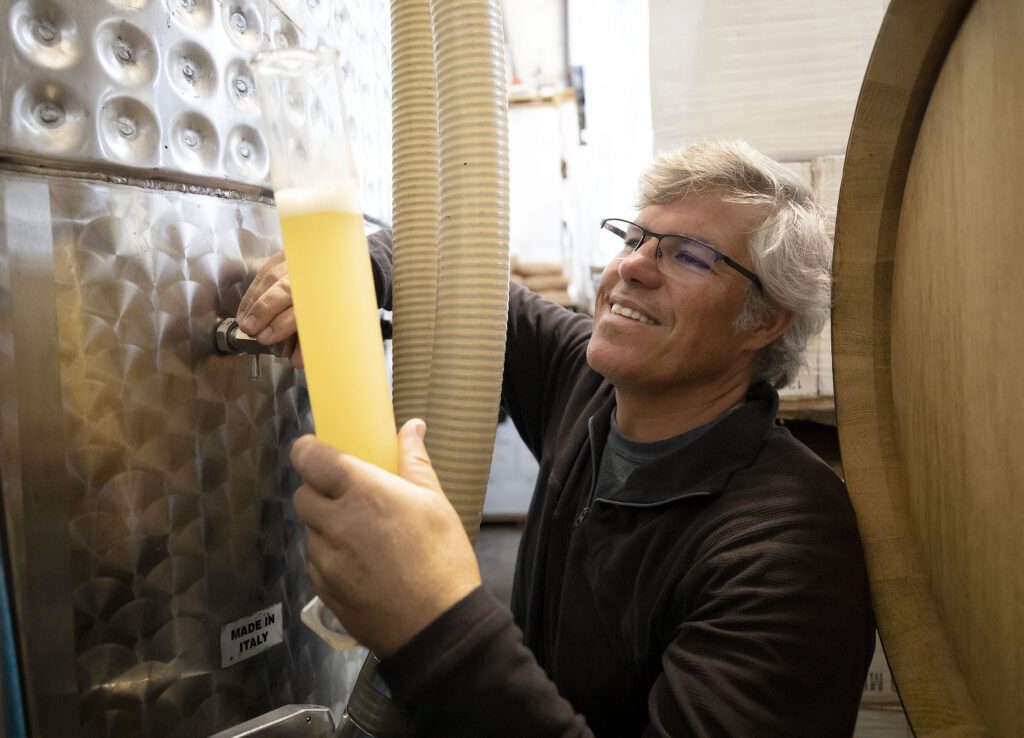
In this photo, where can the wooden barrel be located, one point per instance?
(929, 273)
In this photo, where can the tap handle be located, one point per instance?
(231, 339)
(254, 366)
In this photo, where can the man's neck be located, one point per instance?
(655, 416)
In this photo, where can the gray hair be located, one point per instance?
(791, 251)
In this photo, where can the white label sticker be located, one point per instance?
(250, 635)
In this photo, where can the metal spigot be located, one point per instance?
(229, 338)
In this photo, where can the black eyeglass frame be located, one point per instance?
(719, 256)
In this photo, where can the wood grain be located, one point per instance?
(957, 349)
(926, 661)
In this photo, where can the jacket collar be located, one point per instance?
(701, 468)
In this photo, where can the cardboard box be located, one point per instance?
(826, 178)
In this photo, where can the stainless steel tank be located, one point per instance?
(155, 565)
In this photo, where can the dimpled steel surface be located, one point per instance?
(145, 479)
(175, 473)
(164, 87)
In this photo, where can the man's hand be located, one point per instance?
(266, 310)
(387, 554)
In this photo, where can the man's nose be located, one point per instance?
(642, 264)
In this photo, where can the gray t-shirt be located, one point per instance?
(622, 455)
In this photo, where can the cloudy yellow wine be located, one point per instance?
(339, 330)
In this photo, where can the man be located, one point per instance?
(687, 567)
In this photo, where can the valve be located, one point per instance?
(229, 338)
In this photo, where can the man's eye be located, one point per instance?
(690, 259)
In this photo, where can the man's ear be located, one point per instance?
(775, 326)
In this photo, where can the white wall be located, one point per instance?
(535, 35)
(535, 182)
(609, 39)
(782, 74)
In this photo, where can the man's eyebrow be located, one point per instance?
(695, 237)
(691, 236)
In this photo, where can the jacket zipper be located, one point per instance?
(593, 481)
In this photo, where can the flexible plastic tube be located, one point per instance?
(472, 300)
(415, 211)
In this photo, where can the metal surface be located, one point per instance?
(36, 508)
(348, 728)
(164, 88)
(145, 476)
(290, 721)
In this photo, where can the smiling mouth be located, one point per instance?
(636, 315)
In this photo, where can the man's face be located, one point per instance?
(685, 336)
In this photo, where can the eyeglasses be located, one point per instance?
(675, 254)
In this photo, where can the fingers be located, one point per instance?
(278, 329)
(274, 301)
(272, 275)
(313, 508)
(321, 466)
(273, 269)
(413, 460)
(316, 579)
(317, 556)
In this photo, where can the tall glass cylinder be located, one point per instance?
(317, 193)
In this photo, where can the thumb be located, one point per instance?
(413, 461)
